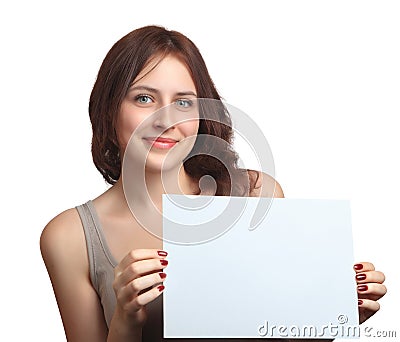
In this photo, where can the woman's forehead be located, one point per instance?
(154, 61)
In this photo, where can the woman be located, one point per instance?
(107, 272)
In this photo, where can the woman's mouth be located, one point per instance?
(161, 143)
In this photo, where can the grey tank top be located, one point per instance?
(101, 270)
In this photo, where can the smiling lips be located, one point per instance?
(162, 143)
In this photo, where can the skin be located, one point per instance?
(373, 281)
(139, 266)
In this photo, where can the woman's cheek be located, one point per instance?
(190, 128)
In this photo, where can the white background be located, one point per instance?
(320, 78)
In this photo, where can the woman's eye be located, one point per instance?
(143, 99)
(184, 103)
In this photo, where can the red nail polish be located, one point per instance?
(164, 262)
(358, 267)
(162, 275)
(362, 288)
(162, 253)
(161, 287)
(360, 302)
(361, 276)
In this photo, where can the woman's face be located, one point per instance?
(160, 109)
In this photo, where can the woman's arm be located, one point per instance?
(63, 250)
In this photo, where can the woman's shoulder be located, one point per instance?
(62, 239)
(65, 225)
(264, 185)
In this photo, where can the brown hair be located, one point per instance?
(122, 64)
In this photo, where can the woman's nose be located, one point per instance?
(164, 118)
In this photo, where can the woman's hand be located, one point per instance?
(134, 285)
(370, 288)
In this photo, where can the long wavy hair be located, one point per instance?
(119, 69)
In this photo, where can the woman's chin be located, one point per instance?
(159, 164)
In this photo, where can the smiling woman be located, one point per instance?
(146, 96)
(107, 271)
(120, 79)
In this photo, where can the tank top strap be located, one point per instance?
(97, 248)
(101, 261)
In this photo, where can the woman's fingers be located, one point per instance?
(369, 304)
(136, 287)
(370, 288)
(367, 308)
(139, 301)
(364, 267)
(370, 277)
(138, 279)
(369, 281)
(137, 255)
(139, 269)
(371, 291)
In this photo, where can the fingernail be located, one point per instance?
(360, 302)
(358, 267)
(361, 276)
(362, 288)
(161, 287)
(162, 253)
(162, 275)
(164, 262)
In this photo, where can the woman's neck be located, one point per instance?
(176, 181)
(147, 194)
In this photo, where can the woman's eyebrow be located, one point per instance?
(145, 88)
(183, 93)
(156, 91)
